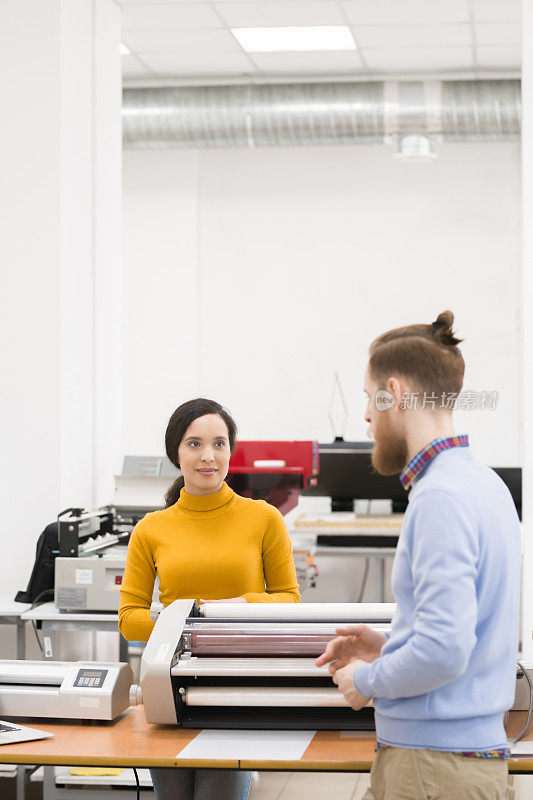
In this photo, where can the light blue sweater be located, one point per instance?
(447, 673)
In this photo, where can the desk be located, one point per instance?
(52, 619)
(130, 741)
(379, 554)
(11, 614)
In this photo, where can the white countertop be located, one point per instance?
(8, 606)
(48, 612)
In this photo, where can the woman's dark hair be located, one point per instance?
(178, 423)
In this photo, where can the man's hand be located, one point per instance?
(224, 600)
(344, 680)
(354, 642)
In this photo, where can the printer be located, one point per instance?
(64, 690)
(249, 665)
(90, 564)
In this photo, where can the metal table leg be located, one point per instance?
(21, 640)
(21, 782)
(48, 640)
(49, 783)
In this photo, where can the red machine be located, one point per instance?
(274, 471)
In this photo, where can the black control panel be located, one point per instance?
(91, 678)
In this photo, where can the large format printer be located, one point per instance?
(240, 665)
(347, 476)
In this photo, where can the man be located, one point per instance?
(443, 680)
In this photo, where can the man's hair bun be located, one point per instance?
(442, 329)
(426, 354)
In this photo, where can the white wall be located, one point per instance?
(527, 331)
(251, 276)
(60, 187)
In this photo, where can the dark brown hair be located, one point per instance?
(178, 423)
(425, 355)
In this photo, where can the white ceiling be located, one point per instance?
(188, 41)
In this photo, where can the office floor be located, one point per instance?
(297, 786)
(342, 786)
(308, 786)
(265, 786)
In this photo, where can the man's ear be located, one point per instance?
(396, 388)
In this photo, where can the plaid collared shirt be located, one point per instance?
(423, 457)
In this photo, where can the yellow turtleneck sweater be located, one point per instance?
(206, 546)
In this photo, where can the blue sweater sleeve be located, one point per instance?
(443, 552)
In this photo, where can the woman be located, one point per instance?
(209, 544)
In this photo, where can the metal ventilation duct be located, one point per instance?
(320, 113)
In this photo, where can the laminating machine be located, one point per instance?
(249, 665)
(64, 690)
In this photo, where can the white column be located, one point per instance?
(107, 209)
(527, 328)
(59, 164)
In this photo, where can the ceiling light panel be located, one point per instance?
(447, 35)
(401, 12)
(278, 13)
(286, 39)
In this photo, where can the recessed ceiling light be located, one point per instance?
(316, 37)
(124, 51)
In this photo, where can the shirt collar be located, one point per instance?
(205, 502)
(427, 454)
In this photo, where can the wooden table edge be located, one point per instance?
(107, 761)
(305, 765)
(519, 764)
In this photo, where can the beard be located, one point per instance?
(389, 455)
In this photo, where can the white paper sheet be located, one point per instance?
(244, 744)
(521, 748)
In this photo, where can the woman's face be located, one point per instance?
(204, 454)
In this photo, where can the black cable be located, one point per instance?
(530, 709)
(34, 626)
(36, 603)
(138, 784)
(41, 594)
